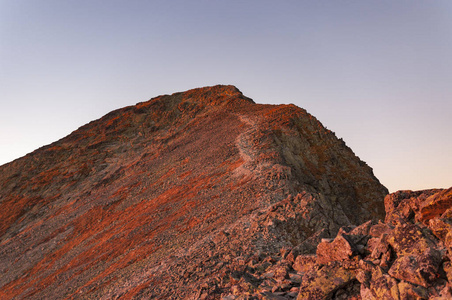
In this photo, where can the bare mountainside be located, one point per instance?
(174, 198)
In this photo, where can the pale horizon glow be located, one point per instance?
(377, 73)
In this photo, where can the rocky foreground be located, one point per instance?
(408, 256)
(207, 195)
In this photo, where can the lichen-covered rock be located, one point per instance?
(413, 239)
(381, 228)
(409, 291)
(400, 259)
(308, 246)
(382, 286)
(322, 283)
(402, 206)
(304, 263)
(417, 269)
(441, 228)
(435, 205)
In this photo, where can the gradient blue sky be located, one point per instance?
(377, 73)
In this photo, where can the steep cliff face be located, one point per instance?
(154, 199)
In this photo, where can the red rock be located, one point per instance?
(382, 286)
(412, 239)
(401, 258)
(402, 206)
(339, 249)
(323, 283)
(378, 246)
(304, 263)
(417, 269)
(379, 229)
(409, 291)
(436, 205)
(441, 228)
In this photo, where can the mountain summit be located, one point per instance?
(159, 199)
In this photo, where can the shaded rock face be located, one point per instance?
(199, 194)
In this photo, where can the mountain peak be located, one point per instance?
(210, 96)
(218, 90)
(152, 192)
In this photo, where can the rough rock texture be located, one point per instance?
(400, 259)
(202, 194)
(375, 260)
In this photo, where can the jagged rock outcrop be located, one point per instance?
(202, 194)
(399, 259)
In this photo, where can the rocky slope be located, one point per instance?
(202, 194)
(406, 257)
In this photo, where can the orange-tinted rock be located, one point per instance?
(436, 205)
(412, 239)
(402, 206)
(417, 269)
(339, 249)
(381, 286)
(323, 283)
(400, 259)
(304, 263)
(442, 229)
(378, 229)
(409, 291)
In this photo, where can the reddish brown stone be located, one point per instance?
(441, 228)
(383, 286)
(417, 269)
(402, 259)
(403, 206)
(412, 239)
(304, 263)
(409, 291)
(436, 205)
(323, 283)
(338, 249)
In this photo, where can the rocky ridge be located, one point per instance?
(201, 194)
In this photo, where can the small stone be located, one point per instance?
(378, 229)
(235, 289)
(380, 246)
(295, 278)
(363, 276)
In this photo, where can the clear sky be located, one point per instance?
(377, 73)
